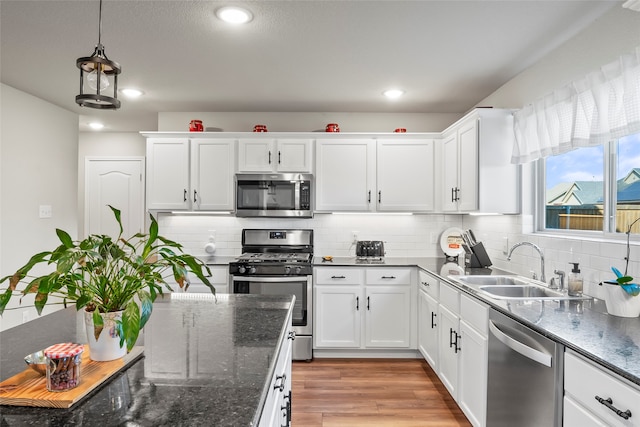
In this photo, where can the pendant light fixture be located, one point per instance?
(98, 78)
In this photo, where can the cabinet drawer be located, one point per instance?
(576, 415)
(428, 283)
(475, 314)
(450, 298)
(339, 276)
(388, 276)
(219, 275)
(583, 381)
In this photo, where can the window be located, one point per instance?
(584, 192)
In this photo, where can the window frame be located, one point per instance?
(609, 195)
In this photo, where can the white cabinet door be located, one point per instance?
(338, 315)
(450, 173)
(428, 328)
(472, 386)
(212, 172)
(256, 155)
(574, 415)
(388, 318)
(448, 350)
(468, 166)
(169, 357)
(405, 179)
(294, 155)
(345, 175)
(168, 173)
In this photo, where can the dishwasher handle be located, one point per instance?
(528, 352)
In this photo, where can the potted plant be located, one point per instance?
(621, 293)
(115, 281)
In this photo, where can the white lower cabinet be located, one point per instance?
(463, 356)
(428, 328)
(277, 407)
(473, 363)
(594, 396)
(362, 308)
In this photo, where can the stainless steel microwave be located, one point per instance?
(274, 195)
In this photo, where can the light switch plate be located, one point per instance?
(46, 211)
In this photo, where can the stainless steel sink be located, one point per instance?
(512, 288)
(522, 292)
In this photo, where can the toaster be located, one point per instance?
(370, 248)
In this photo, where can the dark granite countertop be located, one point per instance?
(584, 326)
(206, 363)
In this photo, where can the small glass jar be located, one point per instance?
(63, 366)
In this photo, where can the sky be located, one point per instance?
(586, 164)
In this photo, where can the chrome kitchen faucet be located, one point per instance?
(537, 248)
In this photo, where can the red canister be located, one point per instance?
(400, 130)
(332, 127)
(260, 128)
(195, 126)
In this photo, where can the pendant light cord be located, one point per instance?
(100, 25)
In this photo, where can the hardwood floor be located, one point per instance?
(371, 393)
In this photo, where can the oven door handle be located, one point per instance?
(259, 279)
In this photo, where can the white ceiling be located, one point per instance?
(305, 56)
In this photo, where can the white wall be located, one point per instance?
(614, 34)
(38, 166)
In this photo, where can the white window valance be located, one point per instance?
(600, 107)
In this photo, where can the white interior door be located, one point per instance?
(118, 182)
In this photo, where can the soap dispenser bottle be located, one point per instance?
(575, 281)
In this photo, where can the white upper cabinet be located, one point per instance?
(212, 184)
(185, 174)
(168, 173)
(365, 175)
(405, 175)
(274, 155)
(477, 174)
(345, 175)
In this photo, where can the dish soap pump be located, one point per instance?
(575, 281)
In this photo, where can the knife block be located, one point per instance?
(477, 257)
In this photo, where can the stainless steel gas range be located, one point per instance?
(276, 262)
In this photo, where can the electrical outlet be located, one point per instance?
(505, 245)
(46, 211)
(212, 234)
(355, 236)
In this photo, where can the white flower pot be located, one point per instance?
(619, 303)
(107, 346)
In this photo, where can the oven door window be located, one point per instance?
(299, 289)
(266, 195)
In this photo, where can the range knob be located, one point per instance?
(242, 269)
(252, 270)
(287, 269)
(298, 270)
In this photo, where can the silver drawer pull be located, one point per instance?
(282, 378)
(609, 404)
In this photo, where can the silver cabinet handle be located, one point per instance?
(528, 352)
(282, 378)
(608, 402)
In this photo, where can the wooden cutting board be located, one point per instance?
(28, 388)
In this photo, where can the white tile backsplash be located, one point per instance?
(416, 236)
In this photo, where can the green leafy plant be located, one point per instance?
(102, 274)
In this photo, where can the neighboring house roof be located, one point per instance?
(575, 193)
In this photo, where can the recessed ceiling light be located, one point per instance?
(131, 92)
(393, 93)
(96, 125)
(234, 15)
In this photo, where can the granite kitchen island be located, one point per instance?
(206, 362)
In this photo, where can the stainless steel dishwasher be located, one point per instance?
(524, 377)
